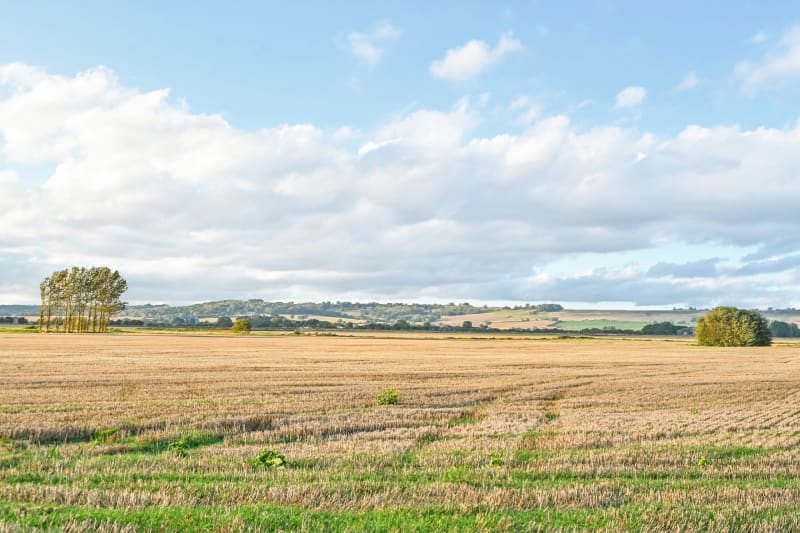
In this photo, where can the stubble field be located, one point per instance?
(162, 432)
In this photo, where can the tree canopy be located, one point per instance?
(80, 299)
(729, 326)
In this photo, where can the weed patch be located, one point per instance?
(388, 397)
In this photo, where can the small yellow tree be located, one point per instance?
(241, 325)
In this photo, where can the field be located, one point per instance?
(145, 432)
(571, 319)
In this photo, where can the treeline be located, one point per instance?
(13, 320)
(663, 328)
(370, 311)
(80, 299)
(278, 322)
(784, 329)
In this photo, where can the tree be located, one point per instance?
(467, 324)
(242, 325)
(80, 299)
(729, 326)
(784, 329)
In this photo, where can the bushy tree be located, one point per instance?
(729, 326)
(241, 325)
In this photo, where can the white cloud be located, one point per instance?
(367, 46)
(779, 65)
(631, 96)
(689, 82)
(191, 208)
(467, 61)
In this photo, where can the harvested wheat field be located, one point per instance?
(164, 432)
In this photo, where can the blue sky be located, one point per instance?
(497, 152)
(266, 63)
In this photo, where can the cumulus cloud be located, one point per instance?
(631, 96)
(468, 61)
(367, 46)
(781, 64)
(420, 207)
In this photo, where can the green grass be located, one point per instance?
(363, 476)
(271, 517)
(465, 420)
(19, 329)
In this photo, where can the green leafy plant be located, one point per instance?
(389, 396)
(551, 415)
(180, 446)
(271, 458)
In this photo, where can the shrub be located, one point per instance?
(271, 458)
(729, 326)
(389, 397)
(242, 325)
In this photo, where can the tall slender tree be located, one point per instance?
(81, 299)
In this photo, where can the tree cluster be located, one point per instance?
(80, 299)
(729, 326)
(784, 329)
(661, 328)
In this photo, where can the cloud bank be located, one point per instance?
(191, 208)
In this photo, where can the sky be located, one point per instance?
(594, 153)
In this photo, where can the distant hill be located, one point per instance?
(542, 316)
(367, 312)
(454, 314)
(19, 310)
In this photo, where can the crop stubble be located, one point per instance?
(502, 433)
